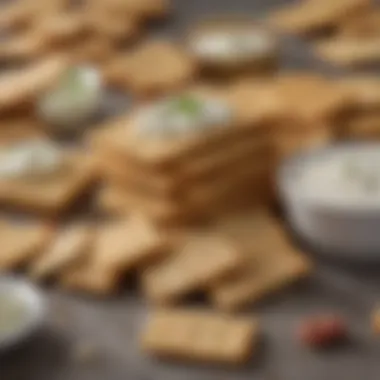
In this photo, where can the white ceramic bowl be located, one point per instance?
(33, 309)
(340, 229)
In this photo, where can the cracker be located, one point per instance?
(20, 128)
(363, 24)
(364, 127)
(348, 51)
(199, 261)
(311, 17)
(21, 243)
(128, 244)
(310, 97)
(363, 89)
(54, 194)
(202, 336)
(271, 261)
(172, 69)
(22, 86)
(68, 248)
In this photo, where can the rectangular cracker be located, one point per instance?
(70, 247)
(197, 262)
(348, 51)
(54, 194)
(20, 86)
(22, 242)
(271, 261)
(310, 97)
(364, 90)
(364, 127)
(364, 24)
(173, 68)
(19, 128)
(312, 17)
(200, 336)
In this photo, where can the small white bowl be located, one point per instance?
(32, 304)
(338, 228)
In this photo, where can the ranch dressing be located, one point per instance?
(34, 159)
(182, 115)
(343, 178)
(231, 45)
(13, 314)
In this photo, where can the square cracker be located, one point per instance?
(197, 262)
(310, 97)
(52, 194)
(70, 247)
(198, 335)
(21, 243)
(118, 247)
(172, 69)
(311, 17)
(271, 261)
(363, 89)
(349, 51)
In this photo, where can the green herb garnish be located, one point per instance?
(188, 105)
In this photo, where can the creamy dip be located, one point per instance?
(182, 115)
(232, 45)
(342, 178)
(32, 159)
(13, 313)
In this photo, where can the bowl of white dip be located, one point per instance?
(22, 310)
(331, 197)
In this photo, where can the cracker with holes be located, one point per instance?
(349, 51)
(198, 262)
(271, 261)
(41, 177)
(313, 17)
(22, 242)
(172, 69)
(70, 247)
(200, 336)
(233, 46)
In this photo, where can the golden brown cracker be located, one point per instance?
(364, 24)
(363, 89)
(54, 194)
(271, 261)
(19, 128)
(311, 17)
(70, 247)
(21, 243)
(197, 335)
(196, 264)
(21, 86)
(173, 68)
(349, 51)
(363, 126)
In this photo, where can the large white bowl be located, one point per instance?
(344, 230)
(34, 307)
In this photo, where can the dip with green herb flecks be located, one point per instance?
(182, 115)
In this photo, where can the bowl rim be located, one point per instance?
(296, 162)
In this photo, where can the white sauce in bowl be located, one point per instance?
(342, 178)
(182, 115)
(231, 45)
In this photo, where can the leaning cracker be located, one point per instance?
(196, 264)
(202, 336)
(21, 243)
(271, 262)
(310, 17)
(348, 51)
(70, 247)
(21, 86)
(172, 69)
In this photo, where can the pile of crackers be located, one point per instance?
(185, 216)
(346, 32)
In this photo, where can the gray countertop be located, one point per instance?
(111, 326)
